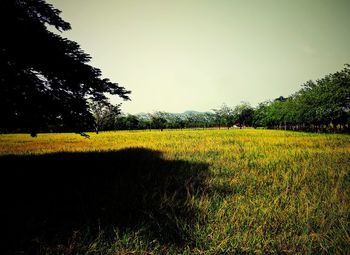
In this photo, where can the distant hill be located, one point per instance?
(191, 113)
(185, 113)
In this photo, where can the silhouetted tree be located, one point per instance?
(45, 79)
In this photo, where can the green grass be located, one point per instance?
(179, 192)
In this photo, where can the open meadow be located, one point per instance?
(176, 192)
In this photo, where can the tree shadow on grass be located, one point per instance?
(47, 198)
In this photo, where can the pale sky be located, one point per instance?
(197, 54)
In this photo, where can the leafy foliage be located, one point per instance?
(319, 106)
(45, 79)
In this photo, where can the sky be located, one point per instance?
(198, 54)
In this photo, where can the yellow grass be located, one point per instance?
(266, 192)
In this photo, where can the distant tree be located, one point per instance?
(260, 115)
(203, 119)
(119, 123)
(243, 114)
(291, 112)
(209, 118)
(175, 121)
(321, 105)
(337, 97)
(144, 121)
(45, 79)
(224, 116)
(159, 120)
(191, 120)
(104, 114)
(132, 122)
(332, 95)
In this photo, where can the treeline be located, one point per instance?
(319, 106)
(224, 117)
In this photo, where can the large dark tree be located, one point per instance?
(45, 79)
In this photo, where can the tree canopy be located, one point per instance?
(318, 106)
(45, 79)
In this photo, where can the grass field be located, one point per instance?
(177, 192)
